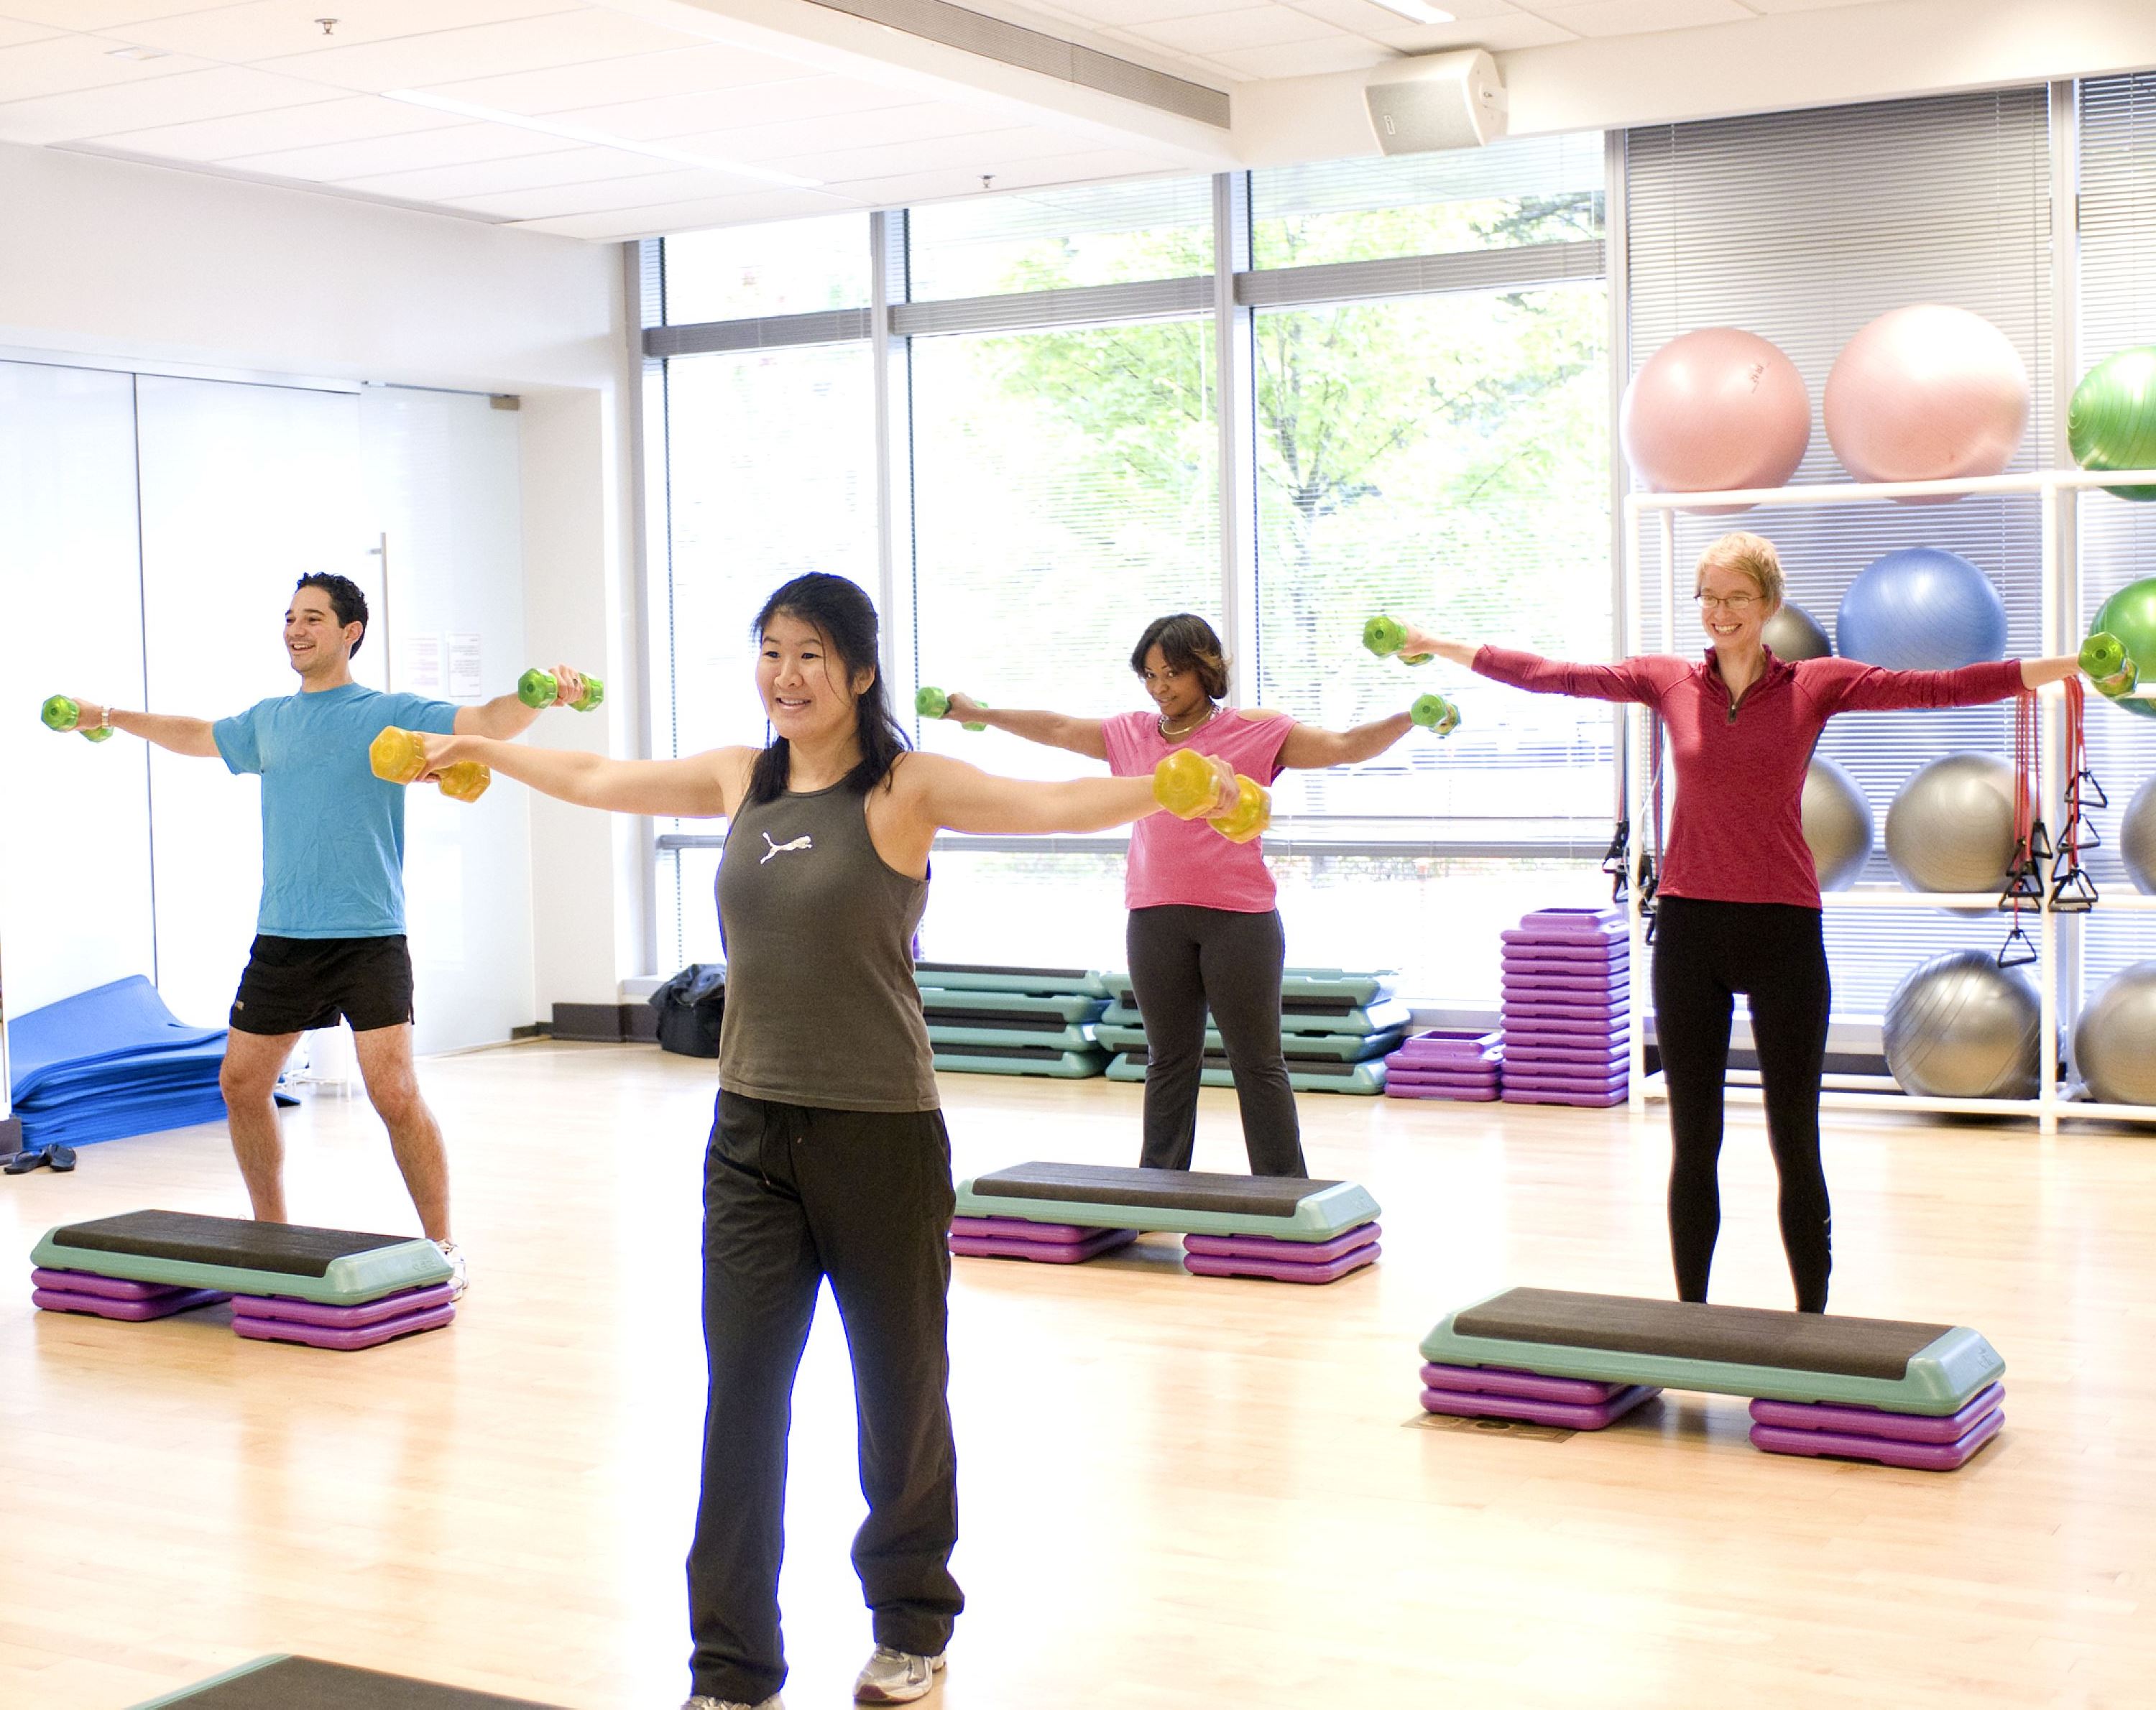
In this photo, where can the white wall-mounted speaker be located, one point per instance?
(1436, 100)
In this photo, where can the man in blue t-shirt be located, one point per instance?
(330, 933)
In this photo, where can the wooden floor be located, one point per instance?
(1176, 1492)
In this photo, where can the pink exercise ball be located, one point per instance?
(1927, 393)
(1713, 410)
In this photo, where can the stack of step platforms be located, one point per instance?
(1927, 1396)
(1567, 997)
(1336, 1027)
(1285, 1228)
(1456, 1063)
(334, 1288)
(995, 1020)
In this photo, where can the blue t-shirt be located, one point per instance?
(332, 832)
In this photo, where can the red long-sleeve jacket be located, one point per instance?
(1736, 831)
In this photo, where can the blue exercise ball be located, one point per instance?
(1921, 609)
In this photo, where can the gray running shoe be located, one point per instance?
(459, 1281)
(895, 1677)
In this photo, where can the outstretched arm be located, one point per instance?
(953, 796)
(192, 737)
(702, 786)
(1306, 746)
(2036, 673)
(506, 716)
(1856, 687)
(1051, 730)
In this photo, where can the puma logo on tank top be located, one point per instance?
(772, 848)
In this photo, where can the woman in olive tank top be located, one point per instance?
(828, 1155)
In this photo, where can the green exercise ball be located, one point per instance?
(2111, 422)
(2130, 614)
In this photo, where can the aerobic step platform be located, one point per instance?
(1907, 1394)
(994, 1019)
(1566, 986)
(334, 1288)
(1283, 1227)
(302, 1683)
(1334, 1026)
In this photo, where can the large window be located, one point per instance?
(1282, 400)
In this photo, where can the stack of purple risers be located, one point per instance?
(1567, 1002)
(1447, 1064)
(260, 1317)
(1924, 1441)
(1494, 1392)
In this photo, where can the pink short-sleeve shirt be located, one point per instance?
(1186, 861)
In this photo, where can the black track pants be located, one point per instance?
(791, 1196)
(1705, 952)
(1183, 959)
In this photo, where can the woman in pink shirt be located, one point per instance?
(1203, 930)
(1738, 907)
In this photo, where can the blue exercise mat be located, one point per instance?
(111, 1063)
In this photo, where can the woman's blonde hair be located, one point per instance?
(1748, 554)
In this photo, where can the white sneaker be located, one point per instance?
(710, 1704)
(459, 1281)
(895, 1676)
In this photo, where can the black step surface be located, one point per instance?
(289, 1249)
(1170, 1190)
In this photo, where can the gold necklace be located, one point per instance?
(1161, 723)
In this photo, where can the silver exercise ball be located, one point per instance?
(1952, 827)
(1837, 824)
(2137, 838)
(2115, 1040)
(1961, 1027)
(1793, 633)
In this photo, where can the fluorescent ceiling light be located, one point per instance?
(597, 138)
(1415, 10)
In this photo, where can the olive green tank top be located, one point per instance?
(821, 1009)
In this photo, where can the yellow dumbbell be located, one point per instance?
(400, 757)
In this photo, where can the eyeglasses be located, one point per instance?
(1736, 605)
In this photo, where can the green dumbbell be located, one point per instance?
(934, 703)
(2104, 662)
(61, 713)
(1386, 636)
(1435, 714)
(538, 689)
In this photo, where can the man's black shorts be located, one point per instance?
(295, 984)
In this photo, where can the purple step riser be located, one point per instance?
(1530, 1385)
(342, 1318)
(346, 1339)
(1216, 1265)
(1267, 1246)
(1468, 1404)
(1922, 1457)
(1877, 1421)
(129, 1311)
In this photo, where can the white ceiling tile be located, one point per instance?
(618, 225)
(447, 145)
(1633, 17)
(1803, 5)
(93, 14)
(679, 185)
(562, 166)
(13, 35)
(1254, 27)
(191, 96)
(728, 110)
(1500, 35)
(1118, 14)
(1078, 166)
(884, 127)
(339, 119)
(641, 77)
(267, 28)
(60, 64)
(490, 50)
(1304, 59)
(982, 152)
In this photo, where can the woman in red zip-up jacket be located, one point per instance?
(1738, 907)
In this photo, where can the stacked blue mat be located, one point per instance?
(1336, 1027)
(110, 1062)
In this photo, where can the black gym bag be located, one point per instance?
(691, 1006)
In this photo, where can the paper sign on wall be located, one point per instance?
(420, 671)
(466, 678)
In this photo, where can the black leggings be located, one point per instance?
(1182, 959)
(1705, 952)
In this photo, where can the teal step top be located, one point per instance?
(989, 976)
(1305, 1076)
(942, 1033)
(1725, 1350)
(1027, 1059)
(961, 1007)
(1338, 985)
(1335, 1047)
(1301, 1017)
(238, 1256)
(1183, 1201)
